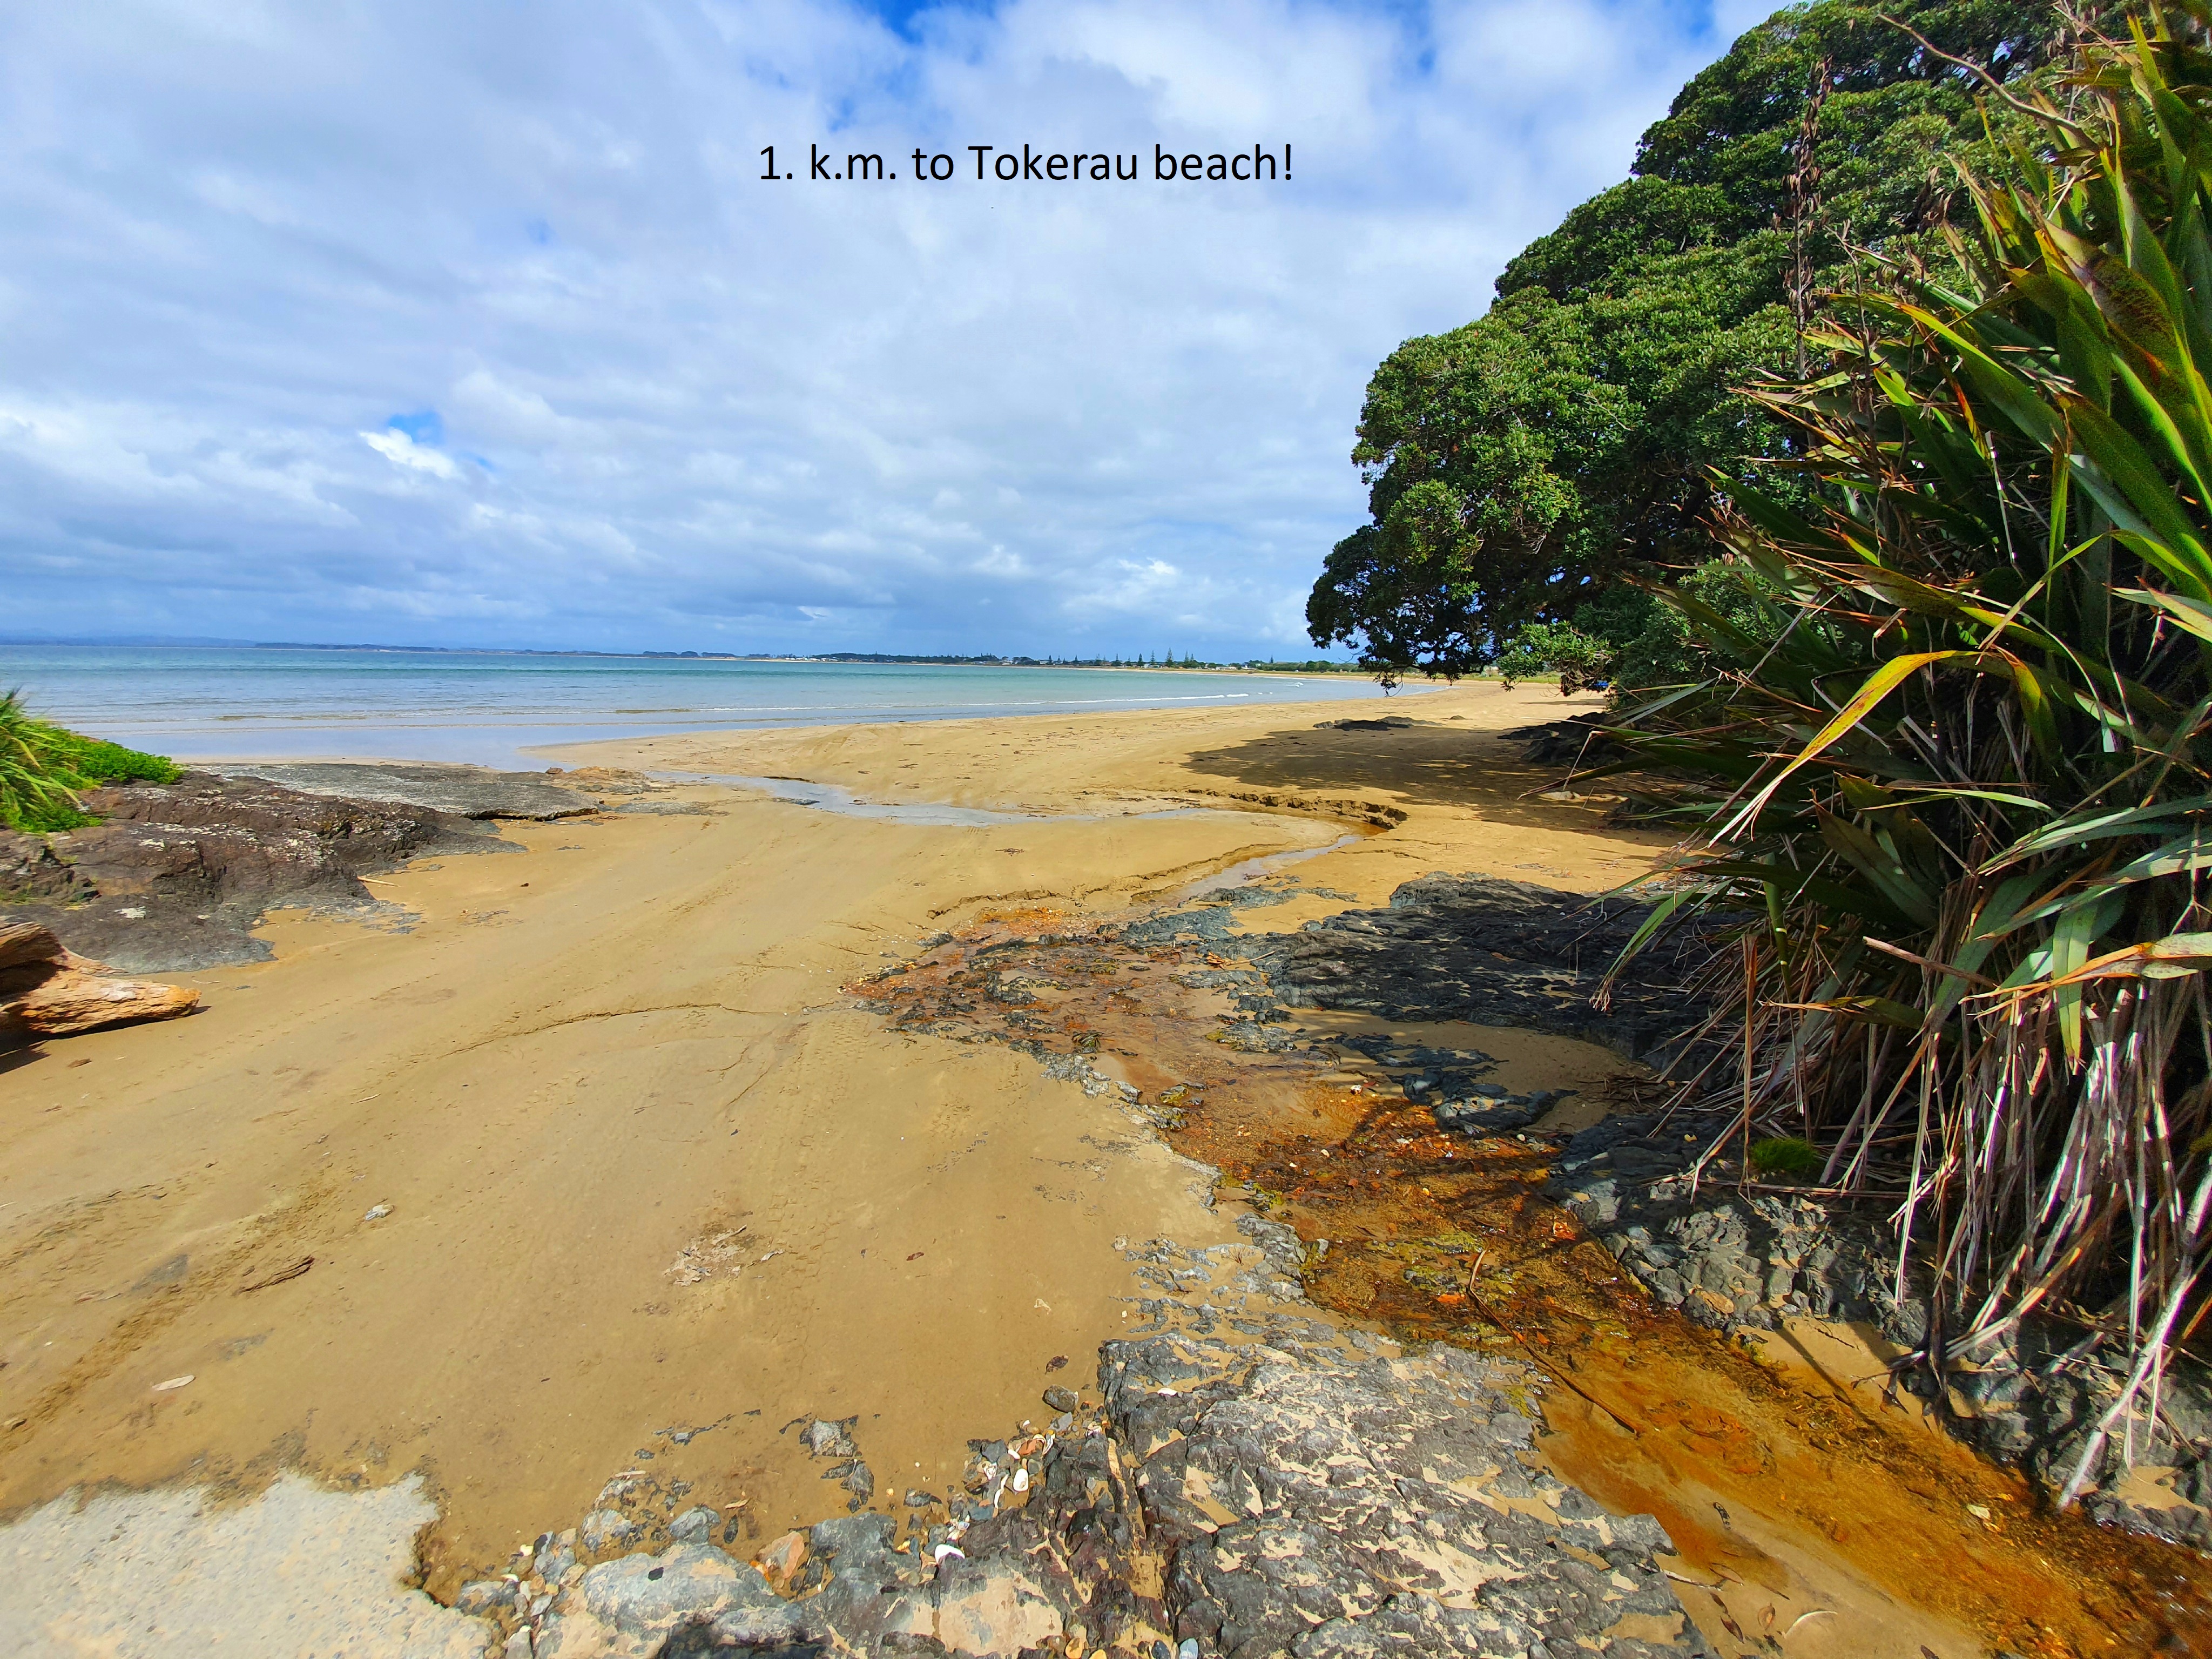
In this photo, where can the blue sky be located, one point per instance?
(476, 324)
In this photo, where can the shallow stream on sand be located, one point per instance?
(828, 797)
(1811, 1518)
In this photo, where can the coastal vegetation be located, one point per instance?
(1520, 466)
(1903, 588)
(43, 766)
(1961, 775)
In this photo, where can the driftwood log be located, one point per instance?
(47, 992)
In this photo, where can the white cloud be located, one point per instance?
(404, 453)
(460, 325)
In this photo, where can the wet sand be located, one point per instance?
(580, 1063)
(570, 1071)
(656, 1164)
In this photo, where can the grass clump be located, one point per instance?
(1786, 1158)
(43, 766)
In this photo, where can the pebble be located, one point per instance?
(605, 1529)
(695, 1525)
(484, 1595)
(781, 1562)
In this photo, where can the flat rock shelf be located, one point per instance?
(1273, 1484)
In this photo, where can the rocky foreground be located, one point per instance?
(1661, 1189)
(1242, 1484)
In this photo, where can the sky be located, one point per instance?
(476, 323)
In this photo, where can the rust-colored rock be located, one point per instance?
(782, 1561)
(45, 992)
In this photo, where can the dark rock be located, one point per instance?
(555, 1554)
(487, 1596)
(1241, 898)
(1494, 1114)
(694, 1526)
(1577, 742)
(1497, 953)
(717, 1602)
(1292, 1495)
(1062, 1399)
(32, 873)
(178, 874)
(1423, 1070)
(1357, 1527)
(607, 1529)
(1734, 1261)
(1214, 925)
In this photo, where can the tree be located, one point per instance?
(1517, 465)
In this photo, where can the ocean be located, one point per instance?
(493, 708)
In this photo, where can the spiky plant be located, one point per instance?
(1966, 789)
(43, 766)
(38, 789)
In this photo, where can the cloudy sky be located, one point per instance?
(473, 321)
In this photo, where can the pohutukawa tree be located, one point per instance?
(1518, 464)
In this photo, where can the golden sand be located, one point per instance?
(650, 1185)
(647, 1168)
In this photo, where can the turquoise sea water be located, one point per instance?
(492, 707)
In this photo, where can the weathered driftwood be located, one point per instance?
(47, 991)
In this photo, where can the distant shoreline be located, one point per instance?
(500, 708)
(831, 659)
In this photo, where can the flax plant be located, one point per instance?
(43, 766)
(38, 787)
(1966, 792)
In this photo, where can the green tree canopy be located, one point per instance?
(1518, 464)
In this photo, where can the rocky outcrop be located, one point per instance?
(1579, 741)
(1320, 1500)
(1497, 953)
(176, 875)
(467, 792)
(47, 991)
(1728, 1260)
(1248, 1485)
(2030, 1396)
(1504, 953)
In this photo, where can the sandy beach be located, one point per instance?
(602, 1158)
(570, 1071)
